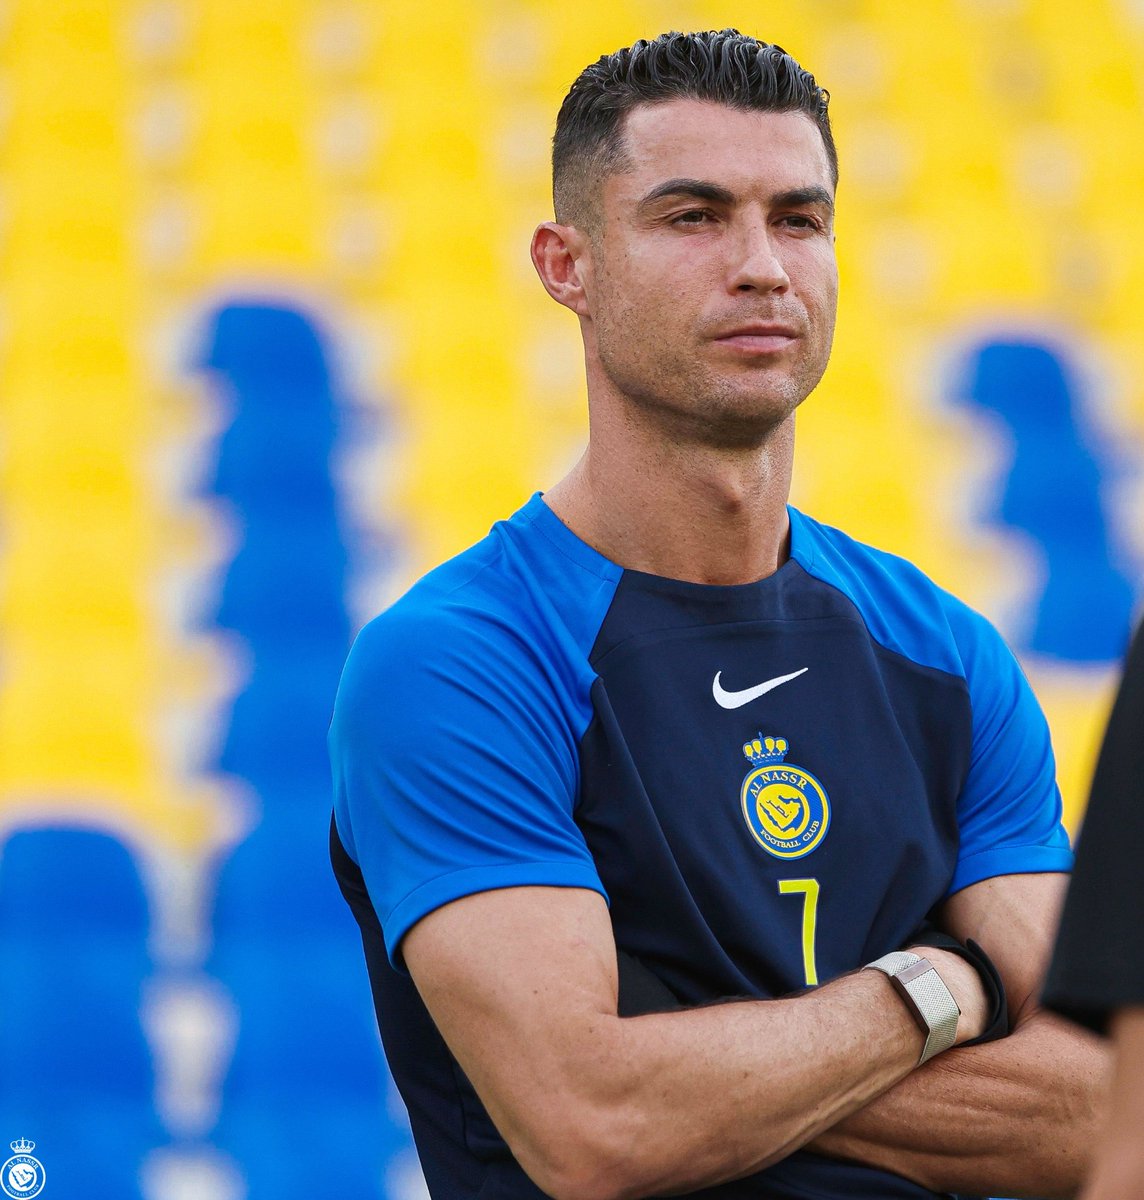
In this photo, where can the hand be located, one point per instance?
(965, 984)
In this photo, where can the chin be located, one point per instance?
(768, 405)
(744, 425)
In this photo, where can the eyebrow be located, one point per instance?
(701, 189)
(798, 197)
(698, 188)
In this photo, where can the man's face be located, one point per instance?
(711, 284)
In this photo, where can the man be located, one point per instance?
(659, 712)
(1097, 972)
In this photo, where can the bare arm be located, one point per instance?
(1011, 1118)
(1118, 1169)
(522, 984)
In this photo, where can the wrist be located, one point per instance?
(964, 982)
(980, 992)
(926, 996)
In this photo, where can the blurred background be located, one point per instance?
(271, 346)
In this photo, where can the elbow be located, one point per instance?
(588, 1180)
(615, 1148)
(587, 1157)
(581, 1182)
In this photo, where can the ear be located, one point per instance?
(558, 254)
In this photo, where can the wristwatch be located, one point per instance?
(930, 1002)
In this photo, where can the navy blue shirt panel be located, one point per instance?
(693, 892)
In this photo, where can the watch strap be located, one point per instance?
(926, 996)
(997, 1024)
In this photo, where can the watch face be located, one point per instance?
(911, 1000)
(937, 1011)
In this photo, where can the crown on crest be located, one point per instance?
(23, 1146)
(762, 751)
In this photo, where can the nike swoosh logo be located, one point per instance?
(726, 699)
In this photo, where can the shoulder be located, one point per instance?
(1008, 805)
(462, 599)
(510, 615)
(903, 609)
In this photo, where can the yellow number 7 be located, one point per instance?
(809, 890)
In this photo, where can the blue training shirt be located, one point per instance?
(771, 783)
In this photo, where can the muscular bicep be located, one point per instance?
(522, 984)
(1014, 918)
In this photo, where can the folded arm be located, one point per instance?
(1011, 1118)
(522, 983)
(1119, 1167)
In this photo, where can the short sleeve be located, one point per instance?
(1009, 810)
(454, 748)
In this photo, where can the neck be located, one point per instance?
(701, 513)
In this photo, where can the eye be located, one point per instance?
(693, 216)
(801, 221)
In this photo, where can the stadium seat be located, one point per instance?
(73, 917)
(277, 885)
(285, 584)
(331, 1149)
(94, 1149)
(1053, 494)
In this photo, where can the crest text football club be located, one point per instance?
(785, 807)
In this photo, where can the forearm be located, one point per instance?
(673, 1102)
(594, 1105)
(1011, 1118)
(1118, 1169)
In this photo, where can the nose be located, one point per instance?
(756, 264)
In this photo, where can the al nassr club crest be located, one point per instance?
(22, 1176)
(785, 807)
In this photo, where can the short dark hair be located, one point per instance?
(727, 67)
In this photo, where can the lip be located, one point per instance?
(758, 338)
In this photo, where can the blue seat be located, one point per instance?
(73, 915)
(307, 1032)
(276, 733)
(94, 1148)
(304, 1105)
(70, 883)
(277, 885)
(284, 585)
(1055, 493)
(278, 460)
(275, 453)
(75, 1069)
(268, 350)
(327, 1150)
